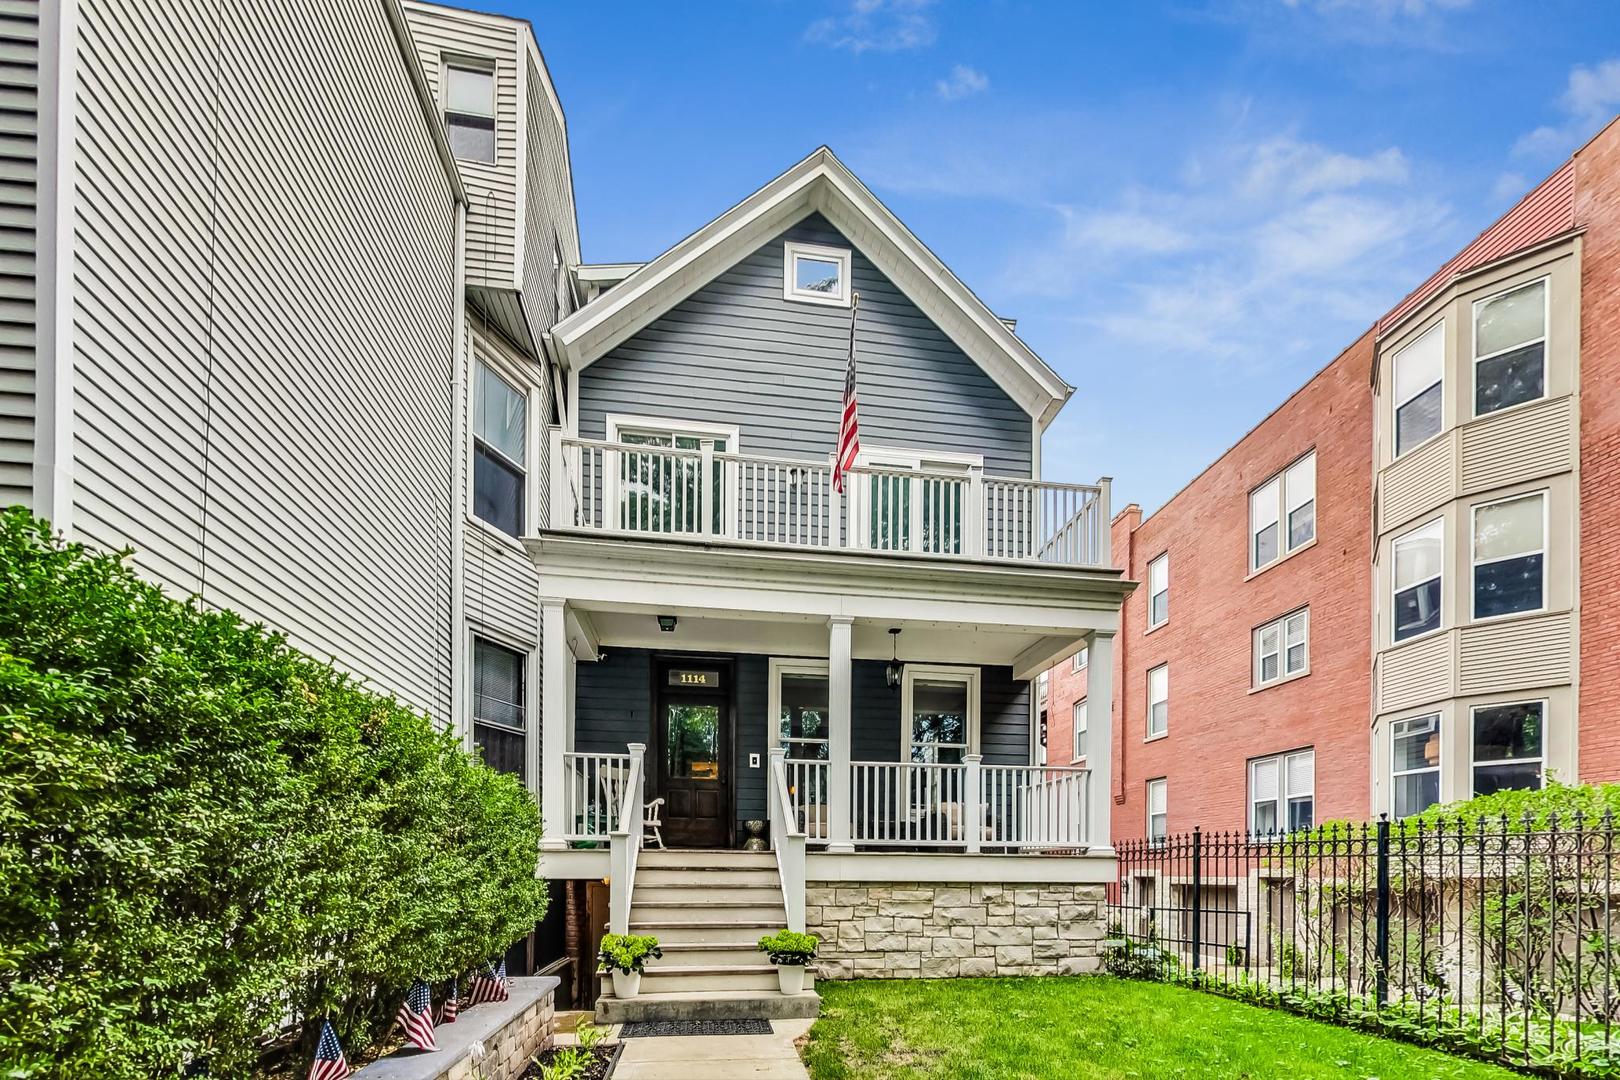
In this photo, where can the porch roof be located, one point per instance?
(989, 612)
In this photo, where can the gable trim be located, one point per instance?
(818, 184)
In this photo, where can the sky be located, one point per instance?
(1189, 207)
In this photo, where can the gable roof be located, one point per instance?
(818, 184)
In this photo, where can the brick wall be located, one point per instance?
(1216, 723)
(1597, 209)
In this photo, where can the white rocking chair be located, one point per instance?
(650, 823)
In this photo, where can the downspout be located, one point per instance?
(459, 659)
(1121, 652)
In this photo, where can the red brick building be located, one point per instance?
(1400, 587)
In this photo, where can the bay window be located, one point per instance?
(1510, 540)
(1414, 768)
(1419, 377)
(1419, 558)
(1509, 746)
(1510, 348)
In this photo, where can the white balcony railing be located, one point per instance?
(594, 786)
(808, 797)
(632, 488)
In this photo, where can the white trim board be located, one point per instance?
(818, 184)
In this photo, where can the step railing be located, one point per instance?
(788, 838)
(593, 793)
(667, 491)
(624, 843)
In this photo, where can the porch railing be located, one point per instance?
(642, 489)
(808, 796)
(971, 806)
(593, 794)
(788, 837)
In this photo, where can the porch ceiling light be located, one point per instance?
(891, 674)
(666, 623)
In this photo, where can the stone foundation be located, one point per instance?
(508, 1033)
(895, 930)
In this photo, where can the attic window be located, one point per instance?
(469, 111)
(816, 274)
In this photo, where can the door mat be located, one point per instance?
(652, 1029)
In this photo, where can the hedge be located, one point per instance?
(207, 836)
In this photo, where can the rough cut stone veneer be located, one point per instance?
(893, 930)
(511, 1031)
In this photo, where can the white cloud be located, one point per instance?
(876, 26)
(1288, 166)
(962, 82)
(1383, 9)
(1510, 187)
(1590, 99)
(1121, 231)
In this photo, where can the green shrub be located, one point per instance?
(790, 949)
(628, 952)
(205, 834)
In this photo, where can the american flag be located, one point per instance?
(849, 438)
(489, 984)
(447, 1015)
(328, 1063)
(416, 1017)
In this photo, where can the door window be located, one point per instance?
(692, 741)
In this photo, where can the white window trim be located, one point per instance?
(1076, 711)
(1075, 664)
(1438, 768)
(1395, 589)
(526, 496)
(1148, 719)
(1284, 548)
(968, 676)
(617, 424)
(1283, 795)
(792, 250)
(1281, 625)
(779, 666)
(1546, 722)
(1474, 563)
(1545, 339)
(463, 62)
(1162, 557)
(1395, 451)
(1164, 783)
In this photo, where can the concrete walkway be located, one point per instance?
(717, 1057)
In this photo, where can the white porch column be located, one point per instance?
(838, 735)
(1100, 741)
(554, 720)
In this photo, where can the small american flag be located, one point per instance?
(849, 438)
(452, 1005)
(328, 1063)
(416, 1017)
(489, 984)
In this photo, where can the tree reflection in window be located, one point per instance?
(692, 741)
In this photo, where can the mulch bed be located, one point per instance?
(602, 1058)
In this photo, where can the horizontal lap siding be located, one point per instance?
(1416, 674)
(1525, 444)
(316, 400)
(19, 146)
(491, 187)
(548, 223)
(613, 700)
(1003, 717)
(1418, 483)
(737, 352)
(1519, 653)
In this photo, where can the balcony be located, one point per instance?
(640, 490)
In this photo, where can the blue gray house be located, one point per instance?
(737, 649)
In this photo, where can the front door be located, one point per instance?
(694, 733)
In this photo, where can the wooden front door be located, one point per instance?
(693, 724)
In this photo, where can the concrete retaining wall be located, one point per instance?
(508, 1032)
(896, 930)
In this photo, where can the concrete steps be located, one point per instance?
(708, 910)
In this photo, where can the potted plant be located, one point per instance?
(625, 955)
(790, 952)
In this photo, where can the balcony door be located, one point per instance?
(692, 729)
(668, 487)
(908, 500)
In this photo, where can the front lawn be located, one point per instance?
(1035, 1029)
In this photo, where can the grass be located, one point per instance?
(1091, 1027)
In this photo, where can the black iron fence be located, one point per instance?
(1491, 938)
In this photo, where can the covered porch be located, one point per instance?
(741, 685)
